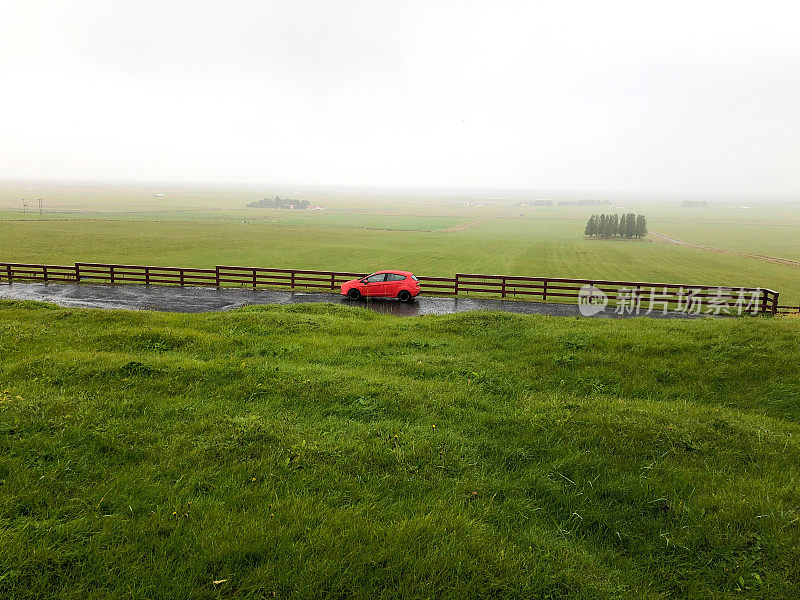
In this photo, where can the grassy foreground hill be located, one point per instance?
(322, 451)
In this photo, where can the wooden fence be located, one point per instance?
(632, 294)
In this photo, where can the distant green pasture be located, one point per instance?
(429, 235)
(254, 216)
(759, 230)
(509, 246)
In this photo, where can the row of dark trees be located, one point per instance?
(607, 226)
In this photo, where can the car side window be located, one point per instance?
(395, 277)
(375, 278)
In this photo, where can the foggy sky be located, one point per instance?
(673, 97)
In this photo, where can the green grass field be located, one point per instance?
(427, 234)
(323, 451)
(515, 246)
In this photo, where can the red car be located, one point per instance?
(383, 284)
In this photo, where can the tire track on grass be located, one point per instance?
(660, 237)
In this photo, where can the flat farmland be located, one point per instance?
(759, 229)
(431, 236)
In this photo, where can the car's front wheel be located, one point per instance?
(404, 296)
(353, 294)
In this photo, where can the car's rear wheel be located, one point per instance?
(353, 294)
(404, 296)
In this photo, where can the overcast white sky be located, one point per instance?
(698, 97)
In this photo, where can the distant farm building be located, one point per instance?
(279, 202)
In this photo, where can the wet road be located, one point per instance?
(199, 299)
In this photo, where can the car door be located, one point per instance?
(375, 285)
(393, 283)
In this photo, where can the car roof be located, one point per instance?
(395, 272)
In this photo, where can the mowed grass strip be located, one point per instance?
(322, 451)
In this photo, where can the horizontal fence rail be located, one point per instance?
(788, 310)
(107, 273)
(631, 294)
(292, 278)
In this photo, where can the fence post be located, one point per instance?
(544, 291)
(77, 273)
(333, 281)
(292, 280)
(254, 279)
(775, 303)
(180, 272)
(763, 300)
(455, 285)
(216, 275)
(111, 273)
(8, 271)
(503, 289)
(44, 272)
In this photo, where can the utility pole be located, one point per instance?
(40, 206)
(25, 206)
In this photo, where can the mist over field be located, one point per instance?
(618, 96)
